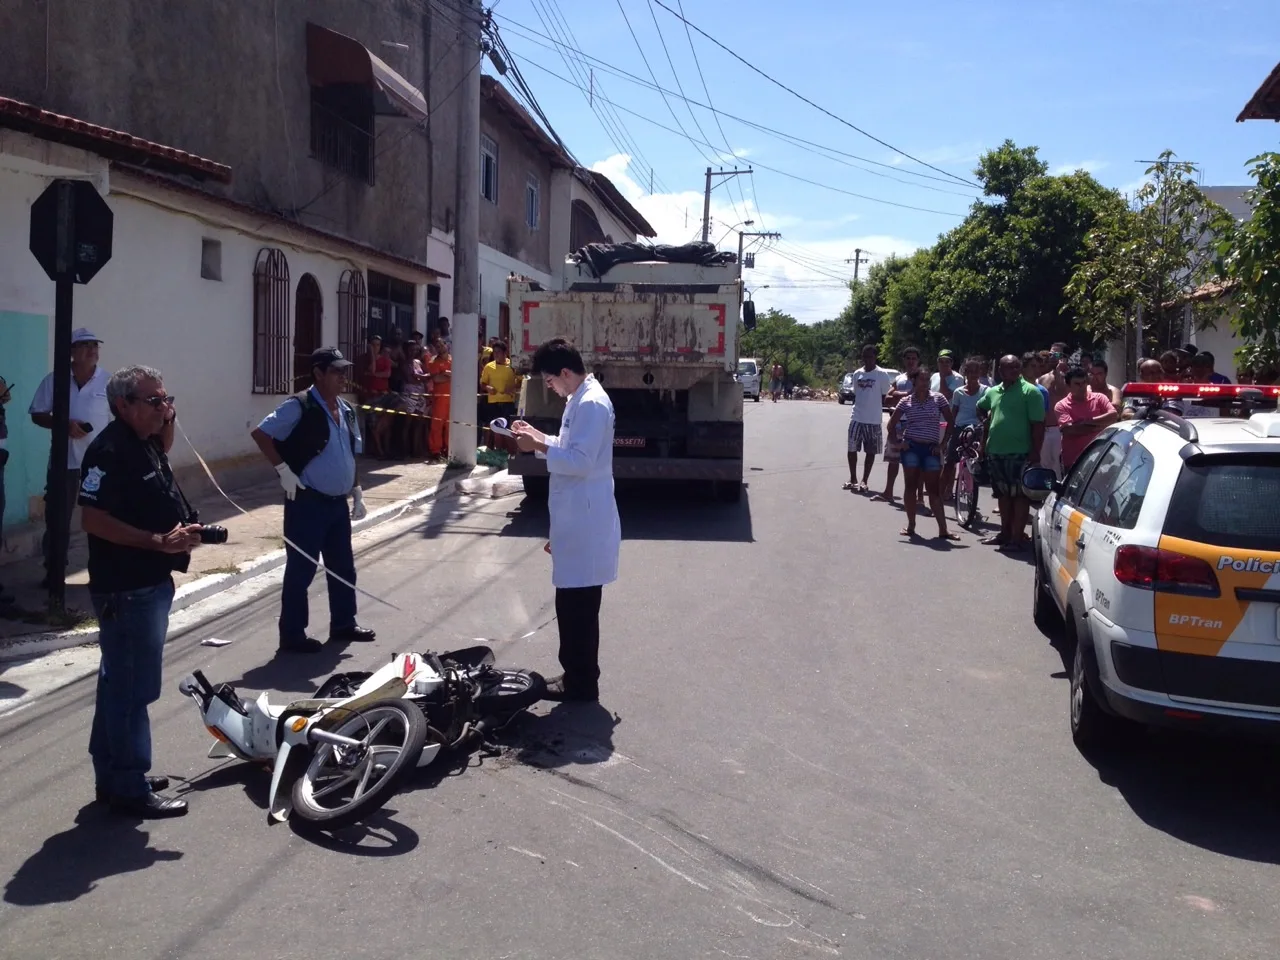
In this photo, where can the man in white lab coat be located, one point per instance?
(585, 532)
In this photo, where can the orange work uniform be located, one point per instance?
(438, 439)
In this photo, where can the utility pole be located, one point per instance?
(706, 196)
(857, 261)
(770, 234)
(466, 249)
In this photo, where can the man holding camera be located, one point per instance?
(312, 441)
(140, 529)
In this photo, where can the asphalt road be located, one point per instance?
(816, 739)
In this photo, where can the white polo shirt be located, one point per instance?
(88, 405)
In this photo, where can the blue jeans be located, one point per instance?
(920, 456)
(131, 631)
(320, 526)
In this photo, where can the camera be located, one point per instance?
(212, 533)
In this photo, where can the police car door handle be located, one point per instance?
(1080, 542)
(1057, 525)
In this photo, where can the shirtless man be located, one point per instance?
(775, 382)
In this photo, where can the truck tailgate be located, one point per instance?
(668, 327)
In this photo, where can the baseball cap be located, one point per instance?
(947, 354)
(327, 357)
(84, 335)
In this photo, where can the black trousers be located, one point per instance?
(578, 613)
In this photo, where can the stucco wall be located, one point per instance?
(502, 225)
(495, 267)
(228, 81)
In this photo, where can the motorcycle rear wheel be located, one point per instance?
(341, 785)
(503, 692)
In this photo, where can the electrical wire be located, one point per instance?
(802, 97)
(528, 34)
(738, 215)
(714, 115)
(764, 166)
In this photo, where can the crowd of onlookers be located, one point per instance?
(1039, 409)
(407, 380)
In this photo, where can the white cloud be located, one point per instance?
(804, 275)
(1088, 166)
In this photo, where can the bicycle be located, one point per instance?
(965, 499)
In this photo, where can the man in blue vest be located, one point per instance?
(312, 441)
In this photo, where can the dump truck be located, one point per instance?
(661, 337)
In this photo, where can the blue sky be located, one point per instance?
(1097, 84)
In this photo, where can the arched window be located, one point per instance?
(271, 366)
(308, 327)
(352, 301)
(584, 228)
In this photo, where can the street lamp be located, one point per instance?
(751, 290)
(744, 223)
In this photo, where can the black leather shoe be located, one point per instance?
(301, 645)
(353, 634)
(557, 693)
(153, 783)
(151, 806)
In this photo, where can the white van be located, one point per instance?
(749, 376)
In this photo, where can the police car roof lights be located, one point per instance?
(1220, 392)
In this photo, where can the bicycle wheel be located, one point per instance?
(966, 496)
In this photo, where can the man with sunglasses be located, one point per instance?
(1055, 382)
(137, 526)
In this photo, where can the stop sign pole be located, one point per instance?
(71, 229)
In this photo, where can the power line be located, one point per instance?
(763, 166)
(831, 153)
(800, 96)
(670, 109)
(714, 114)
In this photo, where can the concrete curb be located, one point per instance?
(38, 644)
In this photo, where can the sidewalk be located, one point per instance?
(252, 539)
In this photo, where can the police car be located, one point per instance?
(1161, 551)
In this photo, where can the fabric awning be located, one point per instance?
(333, 58)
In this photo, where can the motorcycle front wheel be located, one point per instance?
(342, 785)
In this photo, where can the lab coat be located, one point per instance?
(585, 531)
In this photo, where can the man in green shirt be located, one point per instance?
(1013, 427)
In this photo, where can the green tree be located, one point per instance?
(906, 301)
(860, 321)
(1251, 264)
(1000, 276)
(1150, 256)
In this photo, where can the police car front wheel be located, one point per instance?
(1091, 724)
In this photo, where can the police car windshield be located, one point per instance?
(1228, 501)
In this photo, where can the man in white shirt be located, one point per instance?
(89, 415)
(866, 433)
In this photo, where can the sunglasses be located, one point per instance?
(156, 402)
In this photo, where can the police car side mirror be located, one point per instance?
(1039, 482)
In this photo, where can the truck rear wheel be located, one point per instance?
(537, 488)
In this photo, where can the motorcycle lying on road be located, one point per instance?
(339, 755)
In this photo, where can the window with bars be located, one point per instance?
(532, 202)
(488, 169)
(271, 343)
(342, 134)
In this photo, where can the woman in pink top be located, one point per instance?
(1082, 414)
